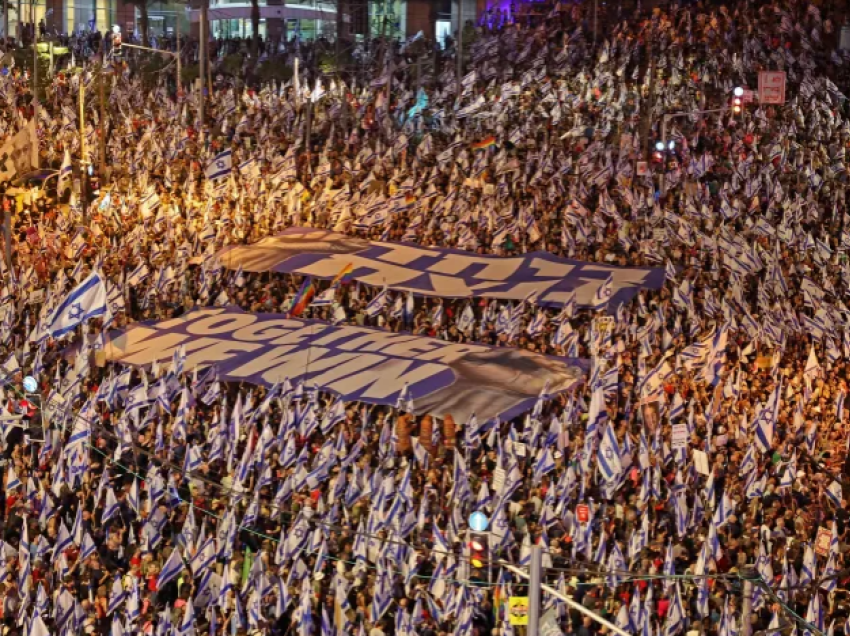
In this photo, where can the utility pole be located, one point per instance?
(747, 605)
(340, 26)
(207, 59)
(84, 194)
(102, 98)
(648, 103)
(563, 597)
(202, 59)
(535, 572)
(459, 49)
(34, 62)
(179, 65)
(308, 129)
(390, 80)
(82, 106)
(663, 149)
(7, 244)
(595, 20)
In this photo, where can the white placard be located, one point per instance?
(772, 87)
(701, 462)
(679, 437)
(499, 480)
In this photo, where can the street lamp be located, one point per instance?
(664, 143)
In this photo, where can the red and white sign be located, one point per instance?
(583, 513)
(772, 87)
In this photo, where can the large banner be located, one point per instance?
(357, 363)
(439, 272)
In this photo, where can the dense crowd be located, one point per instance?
(218, 507)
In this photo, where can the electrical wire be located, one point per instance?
(209, 513)
(582, 567)
(629, 576)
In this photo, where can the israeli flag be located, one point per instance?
(65, 171)
(86, 301)
(377, 304)
(608, 455)
(171, 569)
(220, 166)
(603, 294)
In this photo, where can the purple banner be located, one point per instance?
(357, 363)
(437, 272)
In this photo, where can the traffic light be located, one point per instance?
(479, 548)
(737, 100)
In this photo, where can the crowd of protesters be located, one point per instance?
(233, 508)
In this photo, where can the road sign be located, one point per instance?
(772, 87)
(518, 610)
(478, 521)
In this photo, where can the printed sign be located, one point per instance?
(679, 436)
(518, 610)
(772, 87)
(357, 363)
(822, 542)
(443, 273)
(499, 477)
(583, 513)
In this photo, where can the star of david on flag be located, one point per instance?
(87, 300)
(220, 166)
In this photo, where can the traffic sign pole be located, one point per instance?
(534, 582)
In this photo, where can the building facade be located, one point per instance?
(308, 19)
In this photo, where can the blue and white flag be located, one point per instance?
(171, 569)
(767, 421)
(603, 294)
(65, 173)
(608, 456)
(86, 301)
(220, 166)
(377, 304)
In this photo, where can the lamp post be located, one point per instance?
(664, 146)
